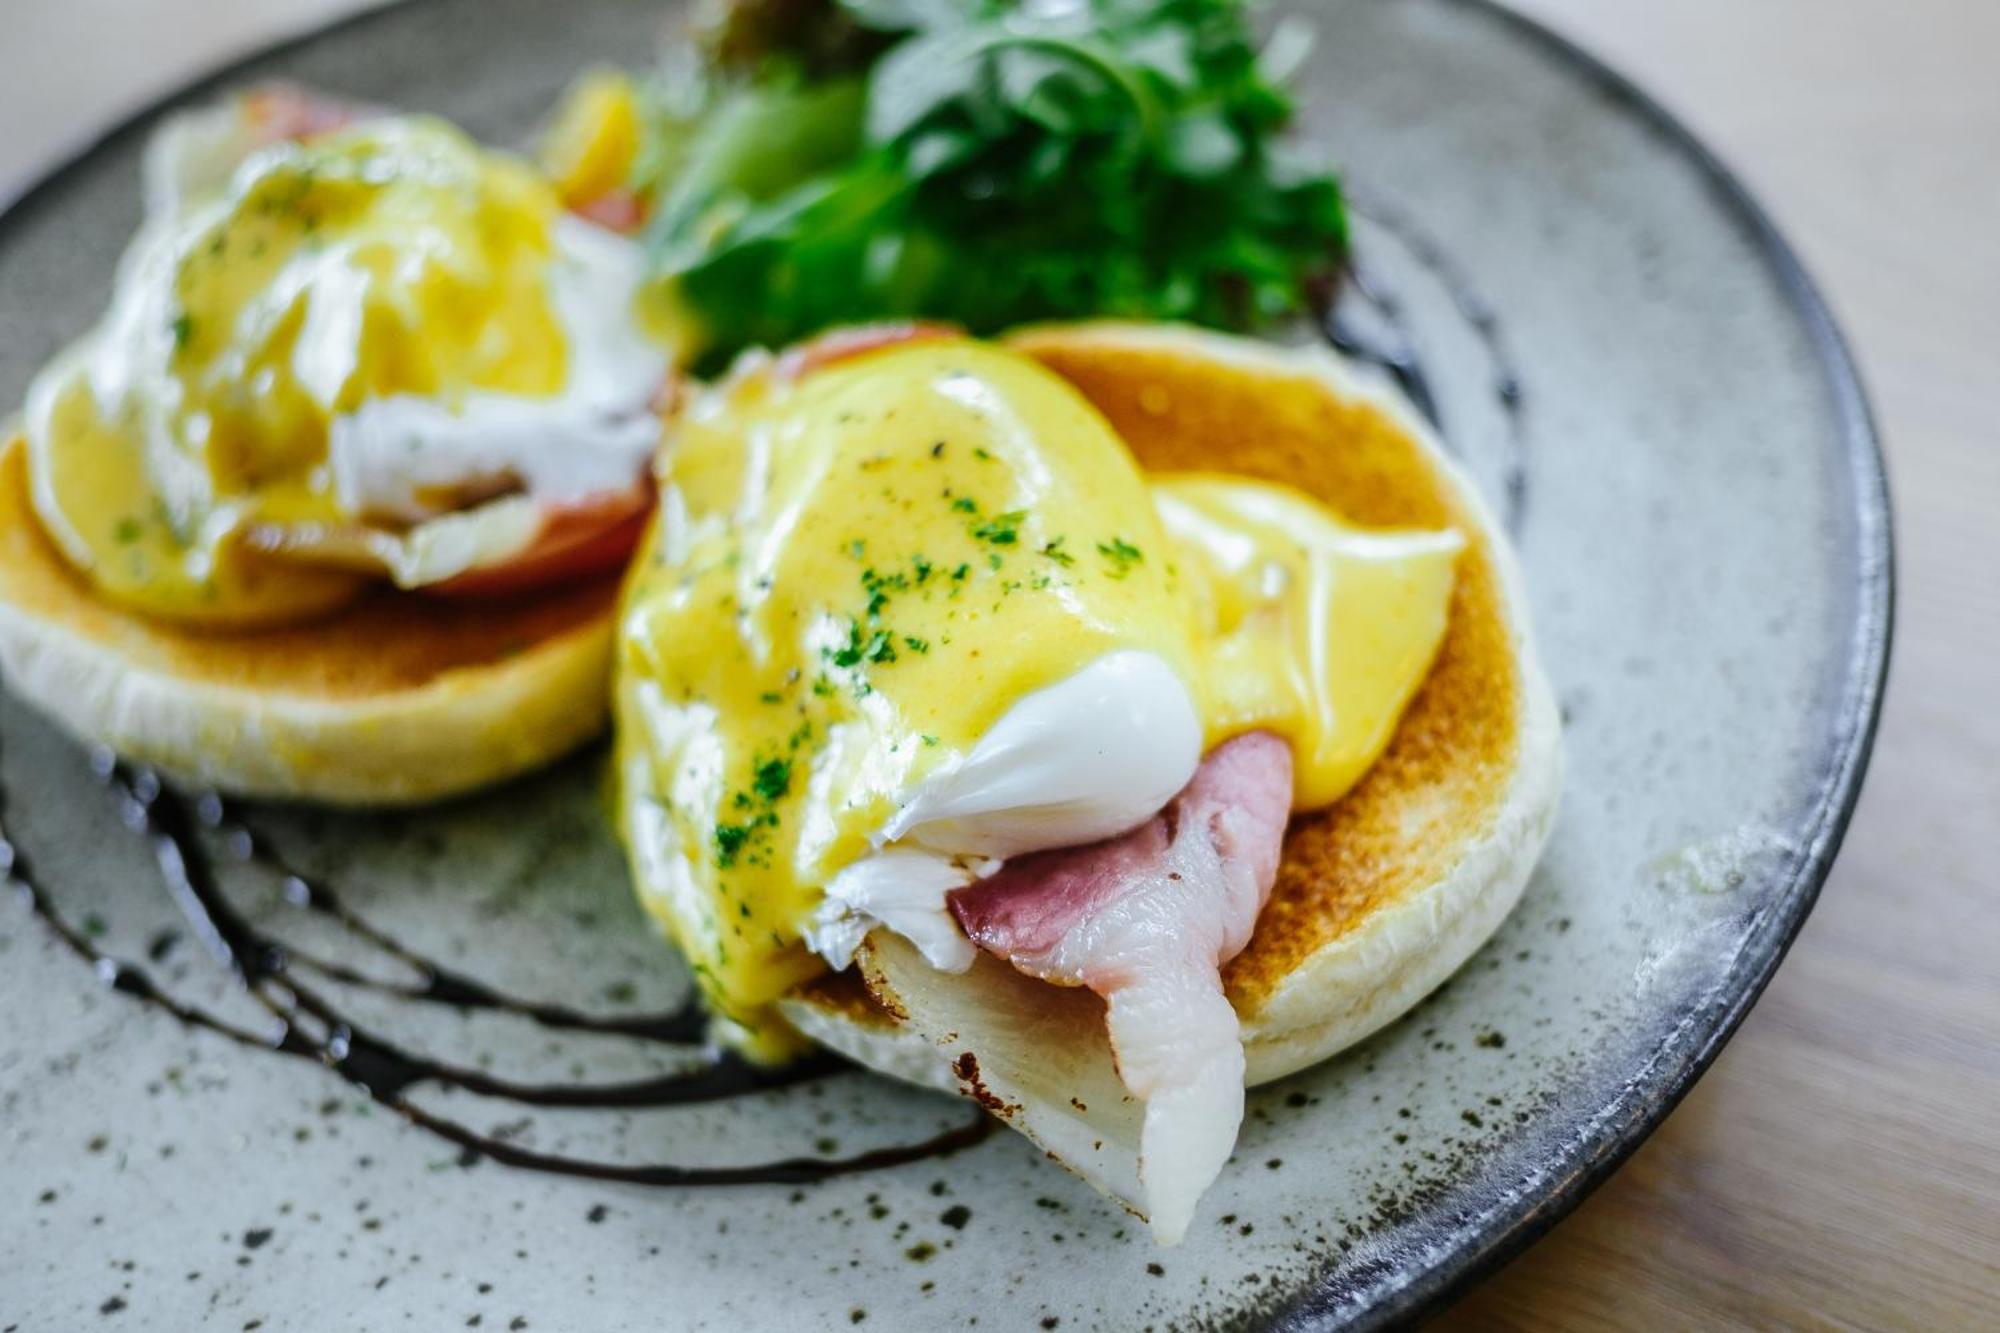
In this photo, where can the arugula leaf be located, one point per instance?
(990, 162)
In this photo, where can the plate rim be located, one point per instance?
(1645, 1101)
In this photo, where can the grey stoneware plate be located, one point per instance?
(1626, 354)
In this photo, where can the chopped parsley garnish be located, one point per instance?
(1120, 555)
(850, 655)
(965, 504)
(127, 531)
(878, 587)
(880, 649)
(1054, 551)
(774, 779)
(916, 645)
(183, 327)
(729, 840)
(1001, 529)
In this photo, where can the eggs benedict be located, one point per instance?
(939, 662)
(351, 359)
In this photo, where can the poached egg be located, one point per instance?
(343, 347)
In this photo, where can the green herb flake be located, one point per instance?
(773, 780)
(1001, 529)
(1120, 556)
(850, 654)
(729, 840)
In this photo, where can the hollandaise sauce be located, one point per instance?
(858, 573)
(1304, 625)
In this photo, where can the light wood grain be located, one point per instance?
(1840, 1166)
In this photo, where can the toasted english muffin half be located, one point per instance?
(395, 700)
(1380, 897)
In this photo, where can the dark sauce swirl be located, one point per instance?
(309, 1025)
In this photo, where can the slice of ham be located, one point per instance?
(1146, 920)
(277, 111)
(857, 340)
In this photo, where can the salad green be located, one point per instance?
(985, 162)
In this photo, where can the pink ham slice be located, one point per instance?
(1146, 920)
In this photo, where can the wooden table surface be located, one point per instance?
(1840, 1166)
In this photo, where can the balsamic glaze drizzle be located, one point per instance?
(306, 1024)
(1395, 353)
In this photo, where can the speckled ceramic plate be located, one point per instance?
(1697, 495)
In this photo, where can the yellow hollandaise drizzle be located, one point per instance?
(857, 574)
(391, 257)
(1304, 625)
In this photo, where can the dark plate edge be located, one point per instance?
(1648, 1098)
(1647, 1101)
